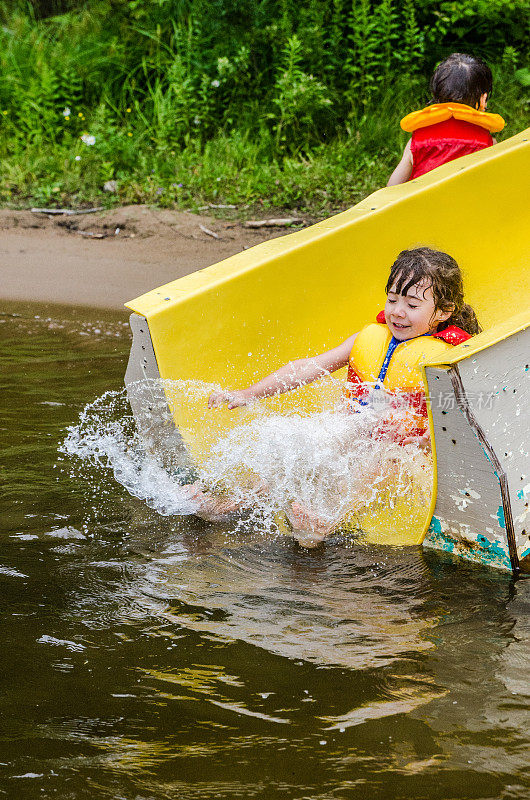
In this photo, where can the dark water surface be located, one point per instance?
(147, 657)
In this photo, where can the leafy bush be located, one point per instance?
(162, 83)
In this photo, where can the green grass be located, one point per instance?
(232, 167)
(175, 131)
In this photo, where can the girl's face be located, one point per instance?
(413, 314)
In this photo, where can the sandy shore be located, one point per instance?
(104, 259)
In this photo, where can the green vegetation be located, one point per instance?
(185, 102)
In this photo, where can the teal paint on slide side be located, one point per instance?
(490, 554)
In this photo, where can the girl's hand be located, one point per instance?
(233, 399)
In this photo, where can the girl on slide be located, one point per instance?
(455, 124)
(424, 316)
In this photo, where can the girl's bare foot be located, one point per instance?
(208, 506)
(307, 528)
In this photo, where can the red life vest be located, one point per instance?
(404, 379)
(445, 131)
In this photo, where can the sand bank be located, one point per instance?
(104, 259)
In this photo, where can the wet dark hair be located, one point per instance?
(438, 270)
(461, 78)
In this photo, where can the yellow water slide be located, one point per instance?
(298, 295)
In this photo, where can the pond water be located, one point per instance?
(148, 657)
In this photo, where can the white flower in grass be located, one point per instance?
(216, 84)
(87, 138)
(66, 112)
(78, 158)
(224, 66)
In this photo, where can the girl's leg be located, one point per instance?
(308, 528)
(210, 507)
(218, 508)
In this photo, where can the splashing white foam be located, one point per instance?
(107, 437)
(328, 461)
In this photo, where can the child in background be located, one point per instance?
(456, 124)
(424, 316)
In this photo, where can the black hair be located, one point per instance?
(439, 271)
(461, 78)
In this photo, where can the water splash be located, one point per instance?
(107, 437)
(328, 461)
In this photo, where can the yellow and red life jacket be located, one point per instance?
(379, 360)
(445, 131)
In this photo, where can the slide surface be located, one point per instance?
(296, 296)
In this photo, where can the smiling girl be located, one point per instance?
(424, 316)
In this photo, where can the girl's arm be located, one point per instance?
(291, 376)
(403, 171)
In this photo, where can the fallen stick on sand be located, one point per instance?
(273, 223)
(67, 211)
(209, 232)
(217, 205)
